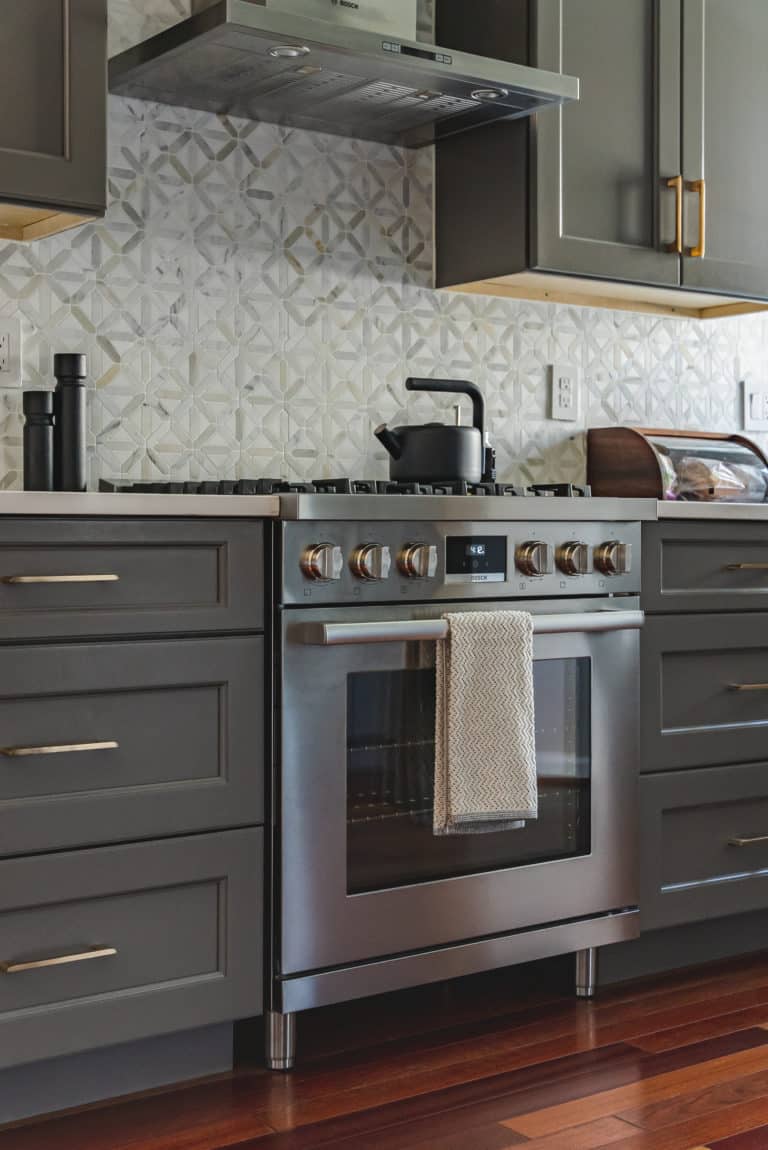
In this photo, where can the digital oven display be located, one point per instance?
(476, 559)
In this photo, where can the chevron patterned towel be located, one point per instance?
(485, 736)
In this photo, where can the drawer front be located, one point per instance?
(712, 566)
(704, 844)
(160, 936)
(154, 737)
(704, 690)
(76, 578)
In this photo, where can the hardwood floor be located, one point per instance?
(679, 1062)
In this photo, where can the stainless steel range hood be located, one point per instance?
(267, 60)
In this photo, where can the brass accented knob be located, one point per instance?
(573, 559)
(371, 561)
(418, 560)
(323, 562)
(534, 558)
(614, 558)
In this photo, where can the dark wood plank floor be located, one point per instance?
(678, 1062)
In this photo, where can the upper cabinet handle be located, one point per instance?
(700, 186)
(14, 579)
(747, 567)
(57, 749)
(676, 182)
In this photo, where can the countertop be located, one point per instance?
(124, 503)
(670, 509)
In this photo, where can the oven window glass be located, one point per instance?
(390, 777)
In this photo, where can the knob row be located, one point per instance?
(324, 562)
(535, 558)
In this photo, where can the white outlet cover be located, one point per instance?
(754, 406)
(10, 330)
(564, 392)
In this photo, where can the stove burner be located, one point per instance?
(347, 487)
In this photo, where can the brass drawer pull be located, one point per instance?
(699, 251)
(59, 749)
(747, 840)
(676, 182)
(59, 960)
(16, 579)
(747, 567)
(748, 686)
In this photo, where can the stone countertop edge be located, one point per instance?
(72, 503)
(735, 512)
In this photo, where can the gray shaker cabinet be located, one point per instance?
(725, 96)
(582, 189)
(53, 137)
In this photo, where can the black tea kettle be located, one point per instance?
(439, 452)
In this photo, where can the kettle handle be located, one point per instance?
(457, 387)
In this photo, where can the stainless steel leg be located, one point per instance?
(280, 1040)
(586, 972)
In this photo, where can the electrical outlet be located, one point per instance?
(564, 392)
(10, 352)
(754, 399)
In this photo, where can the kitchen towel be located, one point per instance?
(485, 736)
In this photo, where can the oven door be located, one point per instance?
(361, 873)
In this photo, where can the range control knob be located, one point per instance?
(371, 561)
(534, 558)
(573, 559)
(418, 560)
(614, 558)
(323, 562)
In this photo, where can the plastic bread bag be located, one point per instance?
(715, 481)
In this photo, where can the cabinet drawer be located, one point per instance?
(693, 712)
(704, 844)
(81, 577)
(712, 566)
(159, 737)
(183, 918)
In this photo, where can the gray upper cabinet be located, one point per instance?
(725, 161)
(582, 189)
(53, 146)
(603, 199)
(601, 165)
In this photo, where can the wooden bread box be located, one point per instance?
(653, 463)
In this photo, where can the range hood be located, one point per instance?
(269, 60)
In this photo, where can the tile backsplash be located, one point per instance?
(256, 297)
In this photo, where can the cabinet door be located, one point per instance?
(603, 207)
(725, 94)
(53, 142)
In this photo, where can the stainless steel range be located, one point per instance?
(365, 898)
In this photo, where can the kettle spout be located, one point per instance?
(390, 440)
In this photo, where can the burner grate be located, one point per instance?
(347, 487)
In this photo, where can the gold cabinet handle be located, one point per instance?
(699, 251)
(748, 686)
(16, 579)
(747, 840)
(676, 182)
(58, 749)
(747, 567)
(58, 960)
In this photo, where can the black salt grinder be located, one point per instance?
(38, 440)
(69, 429)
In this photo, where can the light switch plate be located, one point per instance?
(10, 351)
(754, 400)
(564, 392)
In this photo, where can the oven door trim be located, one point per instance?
(326, 926)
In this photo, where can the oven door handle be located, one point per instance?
(433, 630)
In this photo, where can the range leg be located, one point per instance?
(586, 972)
(280, 1040)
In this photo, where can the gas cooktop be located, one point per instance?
(349, 487)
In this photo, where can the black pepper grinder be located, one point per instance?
(38, 440)
(69, 428)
